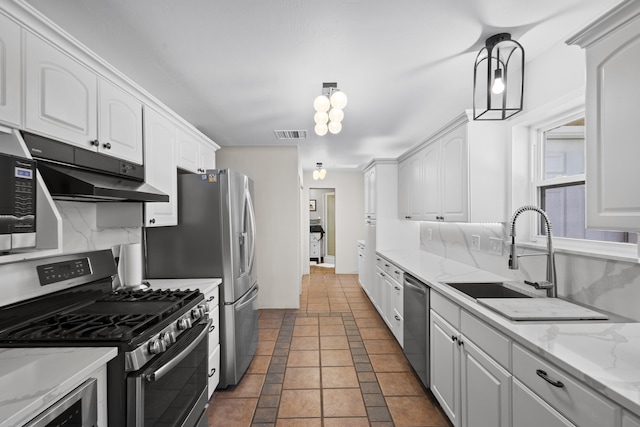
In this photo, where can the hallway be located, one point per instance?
(331, 363)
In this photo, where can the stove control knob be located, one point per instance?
(197, 313)
(157, 346)
(168, 338)
(184, 323)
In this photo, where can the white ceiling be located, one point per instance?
(240, 69)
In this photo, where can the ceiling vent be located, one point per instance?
(291, 134)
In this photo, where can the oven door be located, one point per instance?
(171, 390)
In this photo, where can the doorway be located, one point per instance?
(322, 229)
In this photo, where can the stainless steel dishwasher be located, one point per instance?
(416, 326)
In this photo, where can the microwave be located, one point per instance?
(17, 203)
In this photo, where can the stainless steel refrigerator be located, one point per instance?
(215, 237)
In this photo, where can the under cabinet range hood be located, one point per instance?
(75, 174)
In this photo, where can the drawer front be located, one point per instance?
(531, 411)
(214, 329)
(214, 370)
(380, 262)
(398, 324)
(488, 339)
(573, 400)
(211, 297)
(446, 309)
(398, 295)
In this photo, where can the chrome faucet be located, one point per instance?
(551, 283)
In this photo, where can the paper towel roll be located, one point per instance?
(130, 265)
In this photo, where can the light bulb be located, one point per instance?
(338, 100)
(498, 84)
(321, 118)
(335, 127)
(321, 103)
(316, 174)
(323, 173)
(336, 115)
(321, 129)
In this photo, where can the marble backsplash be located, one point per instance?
(81, 233)
(606, 284)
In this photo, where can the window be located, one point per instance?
(560, 184)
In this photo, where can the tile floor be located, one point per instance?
(331, 363)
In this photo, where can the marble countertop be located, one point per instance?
(31, 379)
(202, 284)
(603, 354)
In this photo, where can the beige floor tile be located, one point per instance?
(343, 402)
(301, 378)
(231, 412)
(346, 422)
(303, 358)
(269, 323)
(400, 384)
(414, 411)
(374, 333)
(305, 331)
(299, 422)
(306, 321)
(328, 330)
(336, 358)
(305, 343)
(334, 343)
(389, 363)
(259, 365)
(339, 377)
(268, 334)
(250, 386)
(389, 346)
(299, 404)
(265, 348)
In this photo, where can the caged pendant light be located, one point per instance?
(498, 79)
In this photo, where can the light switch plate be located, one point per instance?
(475, 242)
(495, 246)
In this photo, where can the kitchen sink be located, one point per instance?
(486, 290)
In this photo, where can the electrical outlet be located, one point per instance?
(429, 234)
(475, 242)
(495, 246)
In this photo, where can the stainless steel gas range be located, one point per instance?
(159, 377)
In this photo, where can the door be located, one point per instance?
(330, 229)
(241, 337)
(238, 219)
(445, 366)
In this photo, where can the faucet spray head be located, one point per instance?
(513, 256)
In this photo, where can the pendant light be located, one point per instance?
(329, 109)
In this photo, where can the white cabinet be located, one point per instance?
(629, 420)
(378, 292)
(212, 298)
(160, 168)
(361, 266)
(370, 196)
(10, 75)
(61, 95)
(207, 156)
(457, 175)
(120, 123)
(194, 155)
(531, 411)
(612, 103)
(472, 387)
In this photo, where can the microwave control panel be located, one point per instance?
(17, 195)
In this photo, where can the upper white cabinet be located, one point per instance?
(120, 124)
(612, 46)
(160, 168)
(194, 154)
(370, 193)
(61, 95)
(10, 97)
(457, 175)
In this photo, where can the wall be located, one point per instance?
(274, 171)
(349, 189)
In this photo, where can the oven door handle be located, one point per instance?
(164, 369)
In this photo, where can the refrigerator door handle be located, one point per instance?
(249, 299)
(252, 225)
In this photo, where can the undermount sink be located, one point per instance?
(486, 290)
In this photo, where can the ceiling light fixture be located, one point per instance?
(329, 109)
(319, 172)
(498, 79)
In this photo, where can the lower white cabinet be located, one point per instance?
(629, 420)
(531, 411)
(213, 372)
(361, 266)
(473, 389)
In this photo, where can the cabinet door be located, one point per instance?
(531, 411)
(485, 389)
(61, 95)
(430, 186)
(629, 420)
(416, 201)
(120, 125)
(160, 168)
(378, 290)
(207, 156)
(188, 152)
(453, 174)
(388, 303)
(404, 188)
(10, 97)
(613, 102)
(445, 367)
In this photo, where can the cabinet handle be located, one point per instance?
(397, 317)
(107, 145)
(213, 371)
(460, 342)
(152, 221)
(211, 298)
(542, 374)
(398, 288)
(386, 265)
(454, 338)
(212, 328)
(396, 271)
(94, 142)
